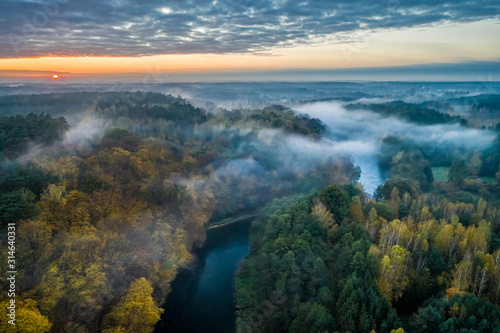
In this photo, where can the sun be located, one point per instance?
(55, 76)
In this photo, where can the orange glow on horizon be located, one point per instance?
(450, 44)
(310, 57)
(55, 76)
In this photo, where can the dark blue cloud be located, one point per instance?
(34, 28)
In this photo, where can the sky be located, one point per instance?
(250, 39)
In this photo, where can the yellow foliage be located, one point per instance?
(393, 277)
(137, 312)
(320, 211)
(399, 330)
(452, 291)
(27, 318)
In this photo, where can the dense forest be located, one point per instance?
(335, 261)
(421, 255)
(103, 225)
(111, 193)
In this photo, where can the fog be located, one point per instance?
(359, 133)
(85, 130)
(366, 128)
(225, 167)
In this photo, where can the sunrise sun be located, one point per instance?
(55, 76)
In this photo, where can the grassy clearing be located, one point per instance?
(488, 180)
(440, 173)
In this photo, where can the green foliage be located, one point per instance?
(491, 160)
(460, 312)
(279, 117)
(414, 113)
(289, 258)
(18, 132)
(119, 137)
(337, 200)
(382, 209)
(312, 318)
(361, 309)
(140, 106)
(457, 173)
(16, 206)
(383, 192)
(25, 177)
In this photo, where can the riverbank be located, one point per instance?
(202, 297)
(231, 221)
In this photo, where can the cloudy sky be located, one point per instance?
(80, 38)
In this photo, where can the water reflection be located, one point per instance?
(202, 300)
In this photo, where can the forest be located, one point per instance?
(103, 225)
(421, 255)
(111, 194)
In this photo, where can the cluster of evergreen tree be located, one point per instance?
(17, 133)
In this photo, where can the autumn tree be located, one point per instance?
(393, 270)
(137, 312)
(28, 318)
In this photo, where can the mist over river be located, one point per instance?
(202, 298)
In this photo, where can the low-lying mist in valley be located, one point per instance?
(122, 185)
(360, 134)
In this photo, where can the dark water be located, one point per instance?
(201, 300)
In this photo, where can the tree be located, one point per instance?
(312, 318)
(474, 165)
(28, 318)
(137, 312)
(402, 185)
(17, 205)
(457, 173)
(324, 216)
(459, 313)
(35, 248)
(27, 176)
(448, 239)
(337, 200)
(361, 309)
(355, 211)
(393, 273)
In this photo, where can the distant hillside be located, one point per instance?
(414, 113)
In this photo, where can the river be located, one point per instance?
(202, 298)
(371, 176)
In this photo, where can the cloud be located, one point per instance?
(36, 28)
